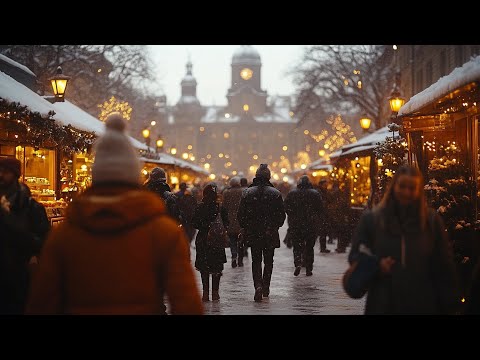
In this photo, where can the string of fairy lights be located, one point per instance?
(23, 126)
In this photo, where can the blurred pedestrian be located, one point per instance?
(210, 248)
(416, 270)
(303, 206)
(24, 226)
(118, 252)
(186, 204)
(260, 214)
(324, 224)
(231, 201)
(157, 182)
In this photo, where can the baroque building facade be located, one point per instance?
(252, 128)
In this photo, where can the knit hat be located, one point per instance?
(11, 164)
(263, 171)
(116, 160)
(157, 174)
(235, 181)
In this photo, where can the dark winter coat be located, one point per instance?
(426, 283)
(231, 201)
(163, 190)
(117, 253)
(22, 232)
(208, 258)
(303, 206)
(261, 213)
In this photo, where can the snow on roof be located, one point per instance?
(162, 160)
(16, 64)
(66, 113)
(216, 114)
(358, 149)
(467, 73)
(13, 91)
(188, 99)
(373, 138)
(365, 143)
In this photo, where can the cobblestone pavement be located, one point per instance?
(320, 294)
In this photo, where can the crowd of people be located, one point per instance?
(125, 246)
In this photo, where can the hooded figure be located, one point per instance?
(117, 252)
(304, 207)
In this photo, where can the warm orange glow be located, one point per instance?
(365, 122)
(59, 84)
(173, 151)
(146, 133)
(246, 74)
(159, 143)
(396, 102)
(185, 156)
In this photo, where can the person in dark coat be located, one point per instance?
(24, 226)
(260, 214)
(210, 256)
(303, 206)
(186, 204)
(231, 201)
(416, 269)
(324, 223)
(157, 182)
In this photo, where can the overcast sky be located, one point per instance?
(212, 69)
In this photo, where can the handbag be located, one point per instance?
(359, 276)
(217, 235)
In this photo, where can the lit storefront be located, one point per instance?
(442, 126)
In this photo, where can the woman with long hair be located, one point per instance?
(210, 252)
(416, 272)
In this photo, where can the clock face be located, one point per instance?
(246, 74)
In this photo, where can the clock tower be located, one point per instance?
(245, 96)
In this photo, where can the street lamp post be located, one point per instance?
(59, 85)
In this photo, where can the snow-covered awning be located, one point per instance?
(461, 76)
(163, 160)
(66, 113)
(363, 145)
(170, 160)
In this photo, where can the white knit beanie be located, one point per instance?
(116, 160)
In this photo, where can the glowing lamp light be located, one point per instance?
(365, 122)
(146, 133)
(212, 176)
(159, 143)
(59, 84)
(173, 150)
(396, 101)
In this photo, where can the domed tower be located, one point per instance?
(188, 108)
(245, 96)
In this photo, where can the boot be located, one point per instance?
(241, 253)
(215, 286)
(267, 276)
(205, 285)
(257, 280)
